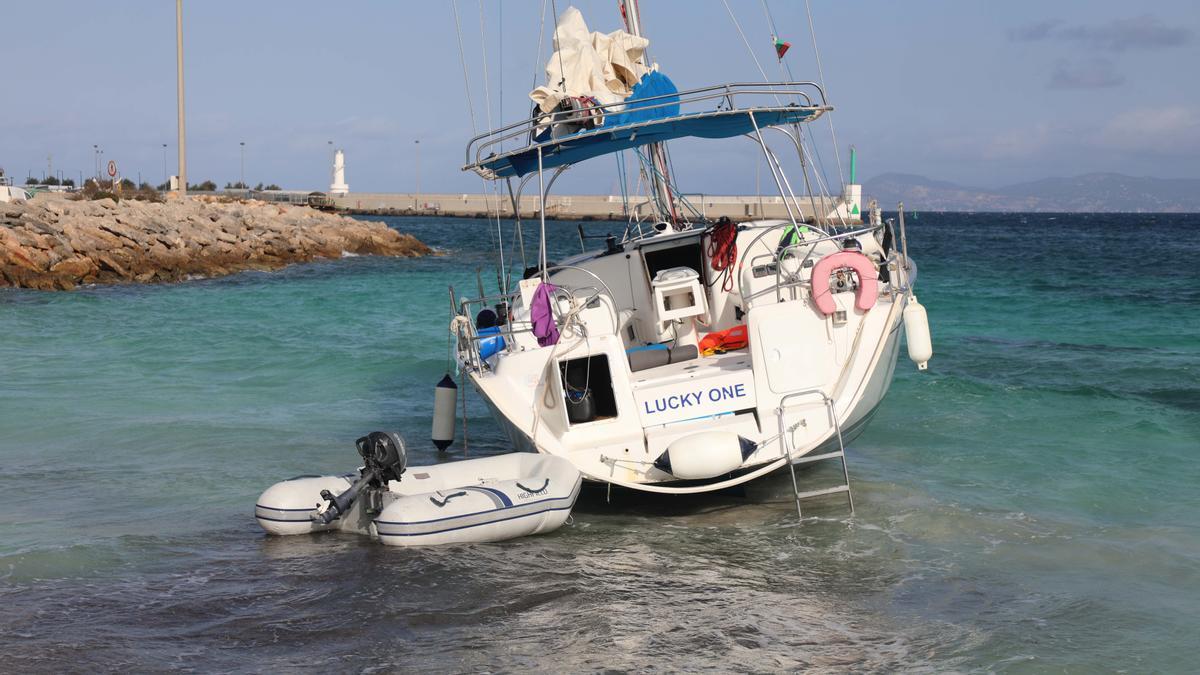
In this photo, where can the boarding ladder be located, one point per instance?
(785, 433)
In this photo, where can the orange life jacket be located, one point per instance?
(724, 340)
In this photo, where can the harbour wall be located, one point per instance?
(578, 207)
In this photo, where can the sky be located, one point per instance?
(979, 93)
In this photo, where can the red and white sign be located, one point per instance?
(112, 169)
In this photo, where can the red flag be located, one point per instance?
(781, 48)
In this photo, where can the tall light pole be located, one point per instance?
(179, 96)
(166, 176)
(243, 144)
(96, 161)
(417, 154)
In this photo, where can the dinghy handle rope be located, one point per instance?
(446, 499)
(537, 491)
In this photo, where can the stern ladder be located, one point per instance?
(785, 433)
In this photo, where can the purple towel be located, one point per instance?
(542, 315)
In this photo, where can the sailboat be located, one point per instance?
(687, 355)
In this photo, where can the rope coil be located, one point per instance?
(722, 252)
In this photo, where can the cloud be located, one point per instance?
(1132, 135)
(371, 127)
(1034, 32)
(1169, 130)
(1020, 143)
(1090, 74)
(1140, 32)
(1119, 35)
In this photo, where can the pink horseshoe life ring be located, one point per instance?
(867, 292)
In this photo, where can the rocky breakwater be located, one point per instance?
(59, 244)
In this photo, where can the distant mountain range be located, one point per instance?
(1093, 192)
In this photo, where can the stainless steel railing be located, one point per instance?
(808, 246)
(727, 95)
(469, 338)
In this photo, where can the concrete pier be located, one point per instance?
(581, 207)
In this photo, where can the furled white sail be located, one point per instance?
(602, 66)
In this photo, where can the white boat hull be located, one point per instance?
(804, 375)
(853, 423)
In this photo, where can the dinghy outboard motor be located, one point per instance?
(384, 458)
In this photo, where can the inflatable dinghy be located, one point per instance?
(474, 500)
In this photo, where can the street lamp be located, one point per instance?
(96, 161)
(243, 144)
(417, 197)
(166, 178)
(179, 97)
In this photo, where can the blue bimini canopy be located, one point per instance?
(641, 122)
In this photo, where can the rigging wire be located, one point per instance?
(492, 198)
(462, 57)
(562, 71)
(786, 71)
(487, 92)
(683, 200)
(537, 63)
(620, 155)
(812, 30)
(500, 48)
(537, 60)
(746, 42)
(786, 68)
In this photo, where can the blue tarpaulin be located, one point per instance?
(637, 108)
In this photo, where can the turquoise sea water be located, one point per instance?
(1030, 503)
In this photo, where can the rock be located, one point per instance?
(15, 256)
(106, 262)
(124, 231)
(75, 266)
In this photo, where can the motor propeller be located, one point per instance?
(384, 458)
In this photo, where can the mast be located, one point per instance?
(657, 151)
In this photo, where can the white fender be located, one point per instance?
(916, 332)
(444, 396)
(705, 454)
